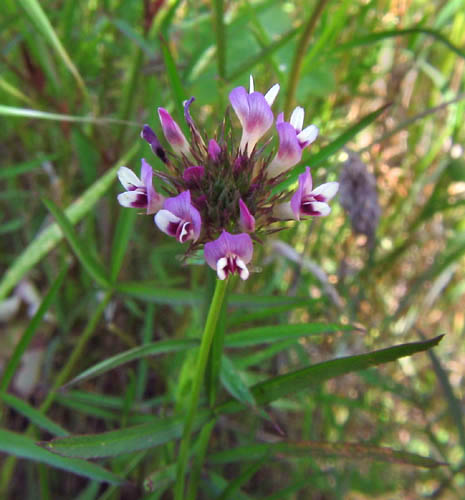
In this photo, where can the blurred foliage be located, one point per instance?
(77, 81)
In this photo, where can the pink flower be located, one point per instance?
(229, 254)
(307, 201)
(254, 112)
(173, 133)
(139, 192)
(292, 141)
(247, 220)
(179, 218)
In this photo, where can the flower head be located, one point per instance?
(229, 254)
(139, 192)
(254, 112)
(292, 141)
(221, 196)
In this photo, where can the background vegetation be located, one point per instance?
(77, 81)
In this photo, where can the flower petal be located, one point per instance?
(308, 135)
(228, 245)
(166, 222)
(315, 208)
(297, 119)
(214, 150)
(192, 175)
(326, 191)
(238, 98)
(251, 85)
(181, 207)
(270, 96)
(289, 152)
(195, 132)
(173, 133)
(133, 199)
(149, 135)
(247, 220)
(129, 179)
(154, 199)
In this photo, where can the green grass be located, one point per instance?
(316, 396)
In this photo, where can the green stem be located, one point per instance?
(300, 53)
(220, 38)
(207, 338)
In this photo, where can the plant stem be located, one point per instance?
(299, 55)
(220, 39)
(207, 338)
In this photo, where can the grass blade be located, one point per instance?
(349, 451)
(41, 22)
(152, 349)
(275, 333)
(24, 447)
(114, 443)
(291, 383)
(88, 261)
(123, 232)
(33, 415)
(383, 35)
(232, 381)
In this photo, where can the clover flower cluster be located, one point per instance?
(218, 194)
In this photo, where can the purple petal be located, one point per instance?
(173, 133)
(296, 201)
(154, 200)
(149, 135)
(280, 118)
(289, 152)
(192, 175)
(214, 150)
(195, 132)
(247, 220)
(306, 180)
(231, 252)
(239, 102)
(181, 207)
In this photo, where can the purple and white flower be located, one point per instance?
(139, 193)
(173, 133)
(307, 201)
(254, 112)
(179, 218)
(229, 254)
(292, 141)
(149, 135)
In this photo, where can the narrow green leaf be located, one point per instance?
(275, 333)
(263, 54)
(50, 237)
(383, 35)
(24, 167)
(24, 447)
(44, 115)
(28, 334)
(291, 383)
(243, 478)
(144, 351)
(176, 86)
(232, 381)
(41, 22)
(114, 443)
(91, 264)
(145, 436)
(151, 291)
(350, 451)
(33, 415)
(330, 149)
(123, 232)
